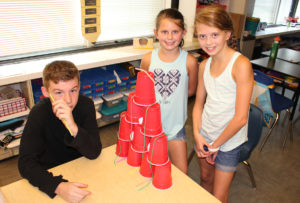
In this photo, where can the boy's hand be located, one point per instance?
(64, 113)
(72, 192)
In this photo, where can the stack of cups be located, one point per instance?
(142, 134)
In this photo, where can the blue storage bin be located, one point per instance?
(36, 89)
(112, 113)
(123, 74)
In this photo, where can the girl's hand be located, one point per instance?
(213, 152)
(211, 158)
(200, 151)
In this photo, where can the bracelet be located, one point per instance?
(213, 149)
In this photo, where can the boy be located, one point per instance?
(60, 128)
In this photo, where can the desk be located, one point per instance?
(286, 54)
(283, 67)
(111, 183)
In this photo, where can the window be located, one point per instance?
(29, 26)
(272, 11)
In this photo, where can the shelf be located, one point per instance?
(15, 115)
(19, 72)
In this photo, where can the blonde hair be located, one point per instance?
(215, 16)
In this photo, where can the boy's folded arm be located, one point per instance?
(39, 177)
(87, 140)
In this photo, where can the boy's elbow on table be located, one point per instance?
(95, 155)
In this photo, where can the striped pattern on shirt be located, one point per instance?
(219, 107)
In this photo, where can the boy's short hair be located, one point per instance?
(59, 71)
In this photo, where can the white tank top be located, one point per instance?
(219, 107)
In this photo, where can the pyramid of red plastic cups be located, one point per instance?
(162, 178)
(144, 91)
(134, 110)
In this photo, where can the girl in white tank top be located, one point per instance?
(220, 113)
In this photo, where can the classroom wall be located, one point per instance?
(188, 10)
(238, 6)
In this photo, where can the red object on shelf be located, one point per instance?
(12, 106)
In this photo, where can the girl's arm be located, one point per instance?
(197, 113)
(146, 60)
(192, 70)
(243, 76)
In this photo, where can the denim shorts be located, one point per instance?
(228, 161)
(179, 136)
(225, 161)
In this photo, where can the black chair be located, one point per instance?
(255, 125)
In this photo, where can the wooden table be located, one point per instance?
(286, 54)
(282, 67)
(111, 183)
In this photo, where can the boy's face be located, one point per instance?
(64, 90)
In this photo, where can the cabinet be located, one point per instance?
(22, 73)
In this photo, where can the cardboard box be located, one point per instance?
(238, 21)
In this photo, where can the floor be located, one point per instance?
(276, 172)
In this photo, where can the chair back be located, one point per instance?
(262, 78)
(255, 125)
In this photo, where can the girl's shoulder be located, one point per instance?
(203, 63)
(191, 59)
(146, 60)
(242, 65)
(242, 61)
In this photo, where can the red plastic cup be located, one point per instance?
(122, 147)
(134, 110)
(144, 91)
(146, 167)
(134, 157)
(158, 152)
(147, 135)
(125, 127)
(140, 142)
(152, 120)
(162, 178)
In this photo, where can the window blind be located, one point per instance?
(266, 10)
(28, 26)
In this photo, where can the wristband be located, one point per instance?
(213, 149)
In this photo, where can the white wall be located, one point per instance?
(188, 10)
(168, 3)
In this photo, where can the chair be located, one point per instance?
(255, 125)
(278, 102)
